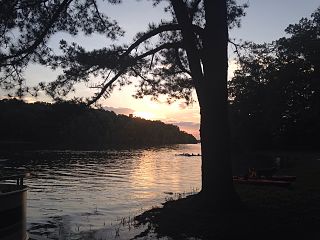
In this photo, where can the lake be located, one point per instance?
(95, 194)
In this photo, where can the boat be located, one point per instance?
(283, 178)
(280, 181)
(13, 198)
(188, 154)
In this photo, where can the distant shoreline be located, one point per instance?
(72, 125)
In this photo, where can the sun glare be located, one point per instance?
(145, 115)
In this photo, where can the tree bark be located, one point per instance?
(217, 183)
(211, 87)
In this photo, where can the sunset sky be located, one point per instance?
(265, 21)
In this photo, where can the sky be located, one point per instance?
(265, 21)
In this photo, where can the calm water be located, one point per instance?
(93, 194)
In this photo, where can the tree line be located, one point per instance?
(275, 94)
(69, 124)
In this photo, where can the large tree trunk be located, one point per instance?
(217, 183)
(209, 68)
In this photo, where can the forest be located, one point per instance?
(274, 97)
(74, 125)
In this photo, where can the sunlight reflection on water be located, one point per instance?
(76, 193)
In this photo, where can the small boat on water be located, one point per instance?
(13, 198)
(280, 181)
(188, 154)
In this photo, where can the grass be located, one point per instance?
(268, 213)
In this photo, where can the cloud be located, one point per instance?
(124, 111)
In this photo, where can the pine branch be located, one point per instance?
(28, 50)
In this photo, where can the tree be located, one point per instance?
(26, 27)
(276, 90)
(171, 58)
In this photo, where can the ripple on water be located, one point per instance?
(87, 194)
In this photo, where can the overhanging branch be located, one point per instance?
(132, 62)
(105, 87)
(98, 13)
(159, 48)
(158, 30)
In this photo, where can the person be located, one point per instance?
(277, 162)
(252, 173)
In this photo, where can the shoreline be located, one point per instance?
(269, 212)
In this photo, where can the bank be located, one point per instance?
(268, 212)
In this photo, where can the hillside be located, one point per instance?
(67, 125)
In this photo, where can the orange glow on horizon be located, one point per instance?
(145, 115)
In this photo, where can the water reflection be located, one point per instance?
(75, 193)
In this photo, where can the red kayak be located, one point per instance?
(281, 182)
(283, 178)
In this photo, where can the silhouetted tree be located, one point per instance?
(172, 58)
(276, 91)
(27, 25)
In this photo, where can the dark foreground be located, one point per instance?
(268, 212)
